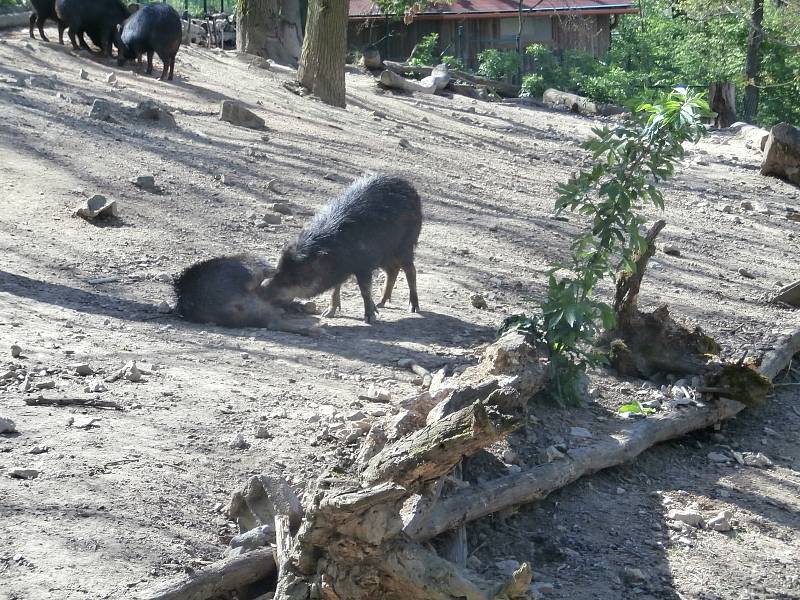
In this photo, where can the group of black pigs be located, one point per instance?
(134, 30)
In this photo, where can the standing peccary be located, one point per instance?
(43, 10)
(374, 224)
(154, 28)
(96, 18)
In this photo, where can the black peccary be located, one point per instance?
(154, 28)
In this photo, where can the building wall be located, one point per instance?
(465, 38)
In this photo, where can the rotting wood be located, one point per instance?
(435, 82)
(501, 87)
(789, 295)
(85, 402)
(579, 104)
(218, 578)
(541, 480)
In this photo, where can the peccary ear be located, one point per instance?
(133, 7)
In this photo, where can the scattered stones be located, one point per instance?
(16, 351)
(720, 523)
(235, 113)
(97, 386)
(553, 454)
(97, 206)
(238, 442)
(376, 394)
(281, 207)
(83, 74)
(45, 83)
(756, 459)
(718, 457)
(262, 433)
(22, 473)
(112, 112)
(689, 515)
(7, 425)
(580, 432)
(164, 308)
(81, 369)
(145, 182)
(478, 301)
(671, 249)
(782, 153)
(745, 273)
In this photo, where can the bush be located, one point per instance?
(497, 64)
(454, 63)
(422, 55)
(532, 85)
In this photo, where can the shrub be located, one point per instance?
(498, 64)
(422, 55)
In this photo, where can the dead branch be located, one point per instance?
(87, 402)
(219, 578)
(579, 104)
(502, 88)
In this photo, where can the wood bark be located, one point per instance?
(579, 104)
(538, 482)
(753, 61)
(626, 301)
(322, 61)
(435, 82)
(87, 402)
(219, 578)
(270, 29)
(501, 87)
(722, 100)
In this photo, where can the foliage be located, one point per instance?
(629, 160)
(423, 51)
(453, 62)
(498, 64)
(636, 408)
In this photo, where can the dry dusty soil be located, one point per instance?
(136, 496)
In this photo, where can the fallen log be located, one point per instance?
(219, 578)
(86, 402)
(540, 481)
(502, 88)
(437, 80)
(789, 295)
(579, 104)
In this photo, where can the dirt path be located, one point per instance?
(138, 496)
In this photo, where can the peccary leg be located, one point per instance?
(388, 285)
(40, 25)
(61, 28)
(71, 35)
(365, 285)
(171, 66)
(34, 18)
(336, 302)
(411, 277)
(165, 69)
(149, 62)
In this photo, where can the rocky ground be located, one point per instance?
(125, 498)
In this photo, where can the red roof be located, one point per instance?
(367, 8)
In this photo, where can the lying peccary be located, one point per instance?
(228, 291)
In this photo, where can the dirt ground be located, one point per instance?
(137, 496)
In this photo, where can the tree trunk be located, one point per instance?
(270, 28)
(324, 47)
(753, 61)
(722, 100)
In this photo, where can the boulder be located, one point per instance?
(782, 153)
(235, 113)
(371, 59)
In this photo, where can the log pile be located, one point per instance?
(478, 87)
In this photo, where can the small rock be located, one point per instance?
(145, 182)
(478, 301)
(507, 567)
(7, 425)
(270, 219)
(746, 205)
(376, 394)
(235, 113)
(689, 516)
(39, 449)
(671, 249)
(720, 523)
(164, 308)
(45, 385)
(97, 206)
(633, 575)
(262, 433)
(132, 372)
(403, 143)
(553, 454)
(40, 82)
(16, 351)
(745, 273)
(82, 369)
(83, 74)
(22, 473)
(238, 442)
(96, 387)
(580, 432)
(82, 422)
(282, 208)
(111, 78)
(756, 460)
(356, 416)
(718, 457)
